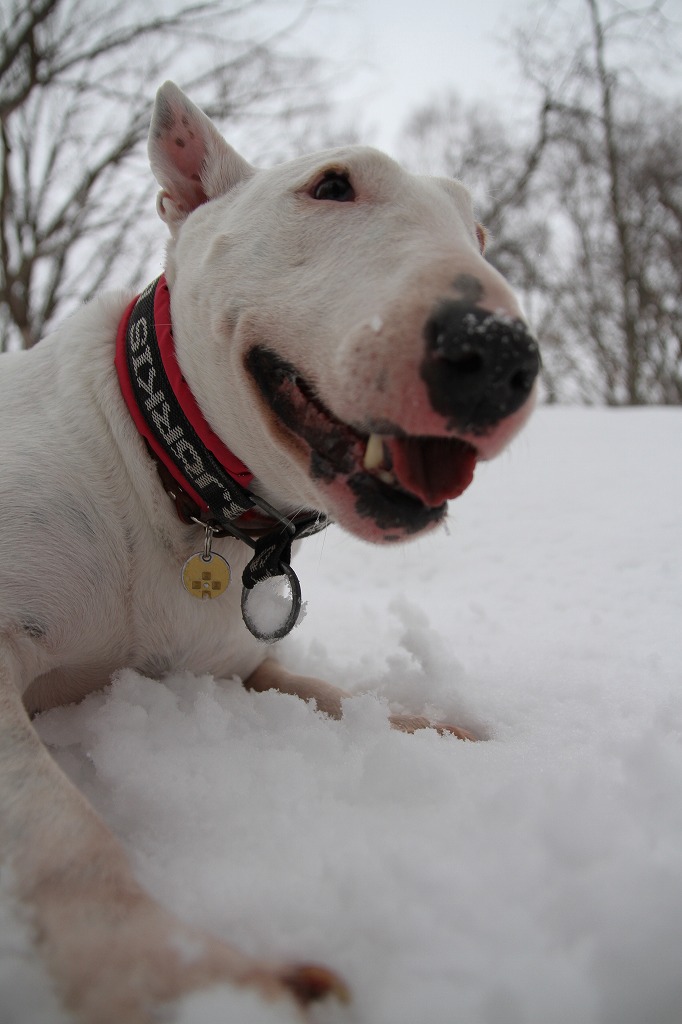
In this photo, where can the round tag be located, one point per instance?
(204, 577)
(271, 609)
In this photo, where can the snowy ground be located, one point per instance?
(532, 879)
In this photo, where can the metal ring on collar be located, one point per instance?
(250, 615)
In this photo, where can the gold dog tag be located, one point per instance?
(204, 577)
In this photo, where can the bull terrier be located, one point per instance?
(326, 343)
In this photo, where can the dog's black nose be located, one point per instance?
(479, 366)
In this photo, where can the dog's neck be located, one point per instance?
(207, 482)
(167, 416)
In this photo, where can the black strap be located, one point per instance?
(156, 400)
(274, 549)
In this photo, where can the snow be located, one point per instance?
(535, 878)
(271, 609)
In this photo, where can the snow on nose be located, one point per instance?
(479, 366)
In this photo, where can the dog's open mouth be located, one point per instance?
(401, 482)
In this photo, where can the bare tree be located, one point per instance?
(77, 79)
(613, 318)
(584, 200)
(610, 312)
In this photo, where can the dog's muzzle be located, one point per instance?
(479, 367)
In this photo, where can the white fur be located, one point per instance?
(91, 547)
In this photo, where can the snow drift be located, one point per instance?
(533, 878)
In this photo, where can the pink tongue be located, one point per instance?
(435, 469)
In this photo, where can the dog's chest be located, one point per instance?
(146, 620)
(181, 619)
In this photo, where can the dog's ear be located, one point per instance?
(189, 157)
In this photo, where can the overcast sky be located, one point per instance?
(412, 52)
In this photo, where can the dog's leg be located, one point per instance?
(271, 676)
(114, 953)
(412, 723)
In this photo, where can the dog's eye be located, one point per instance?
(334, 186)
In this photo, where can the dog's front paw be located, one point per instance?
(410, 723)
(309, 983)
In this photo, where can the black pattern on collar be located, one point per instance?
(226, 499)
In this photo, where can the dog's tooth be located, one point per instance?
(374, 453)
(387, 477)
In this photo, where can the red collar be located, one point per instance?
(229, 462)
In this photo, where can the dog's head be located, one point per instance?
(338, 324)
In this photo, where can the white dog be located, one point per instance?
(339, 350)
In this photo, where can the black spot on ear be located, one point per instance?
(469, 287)
(163, 117)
